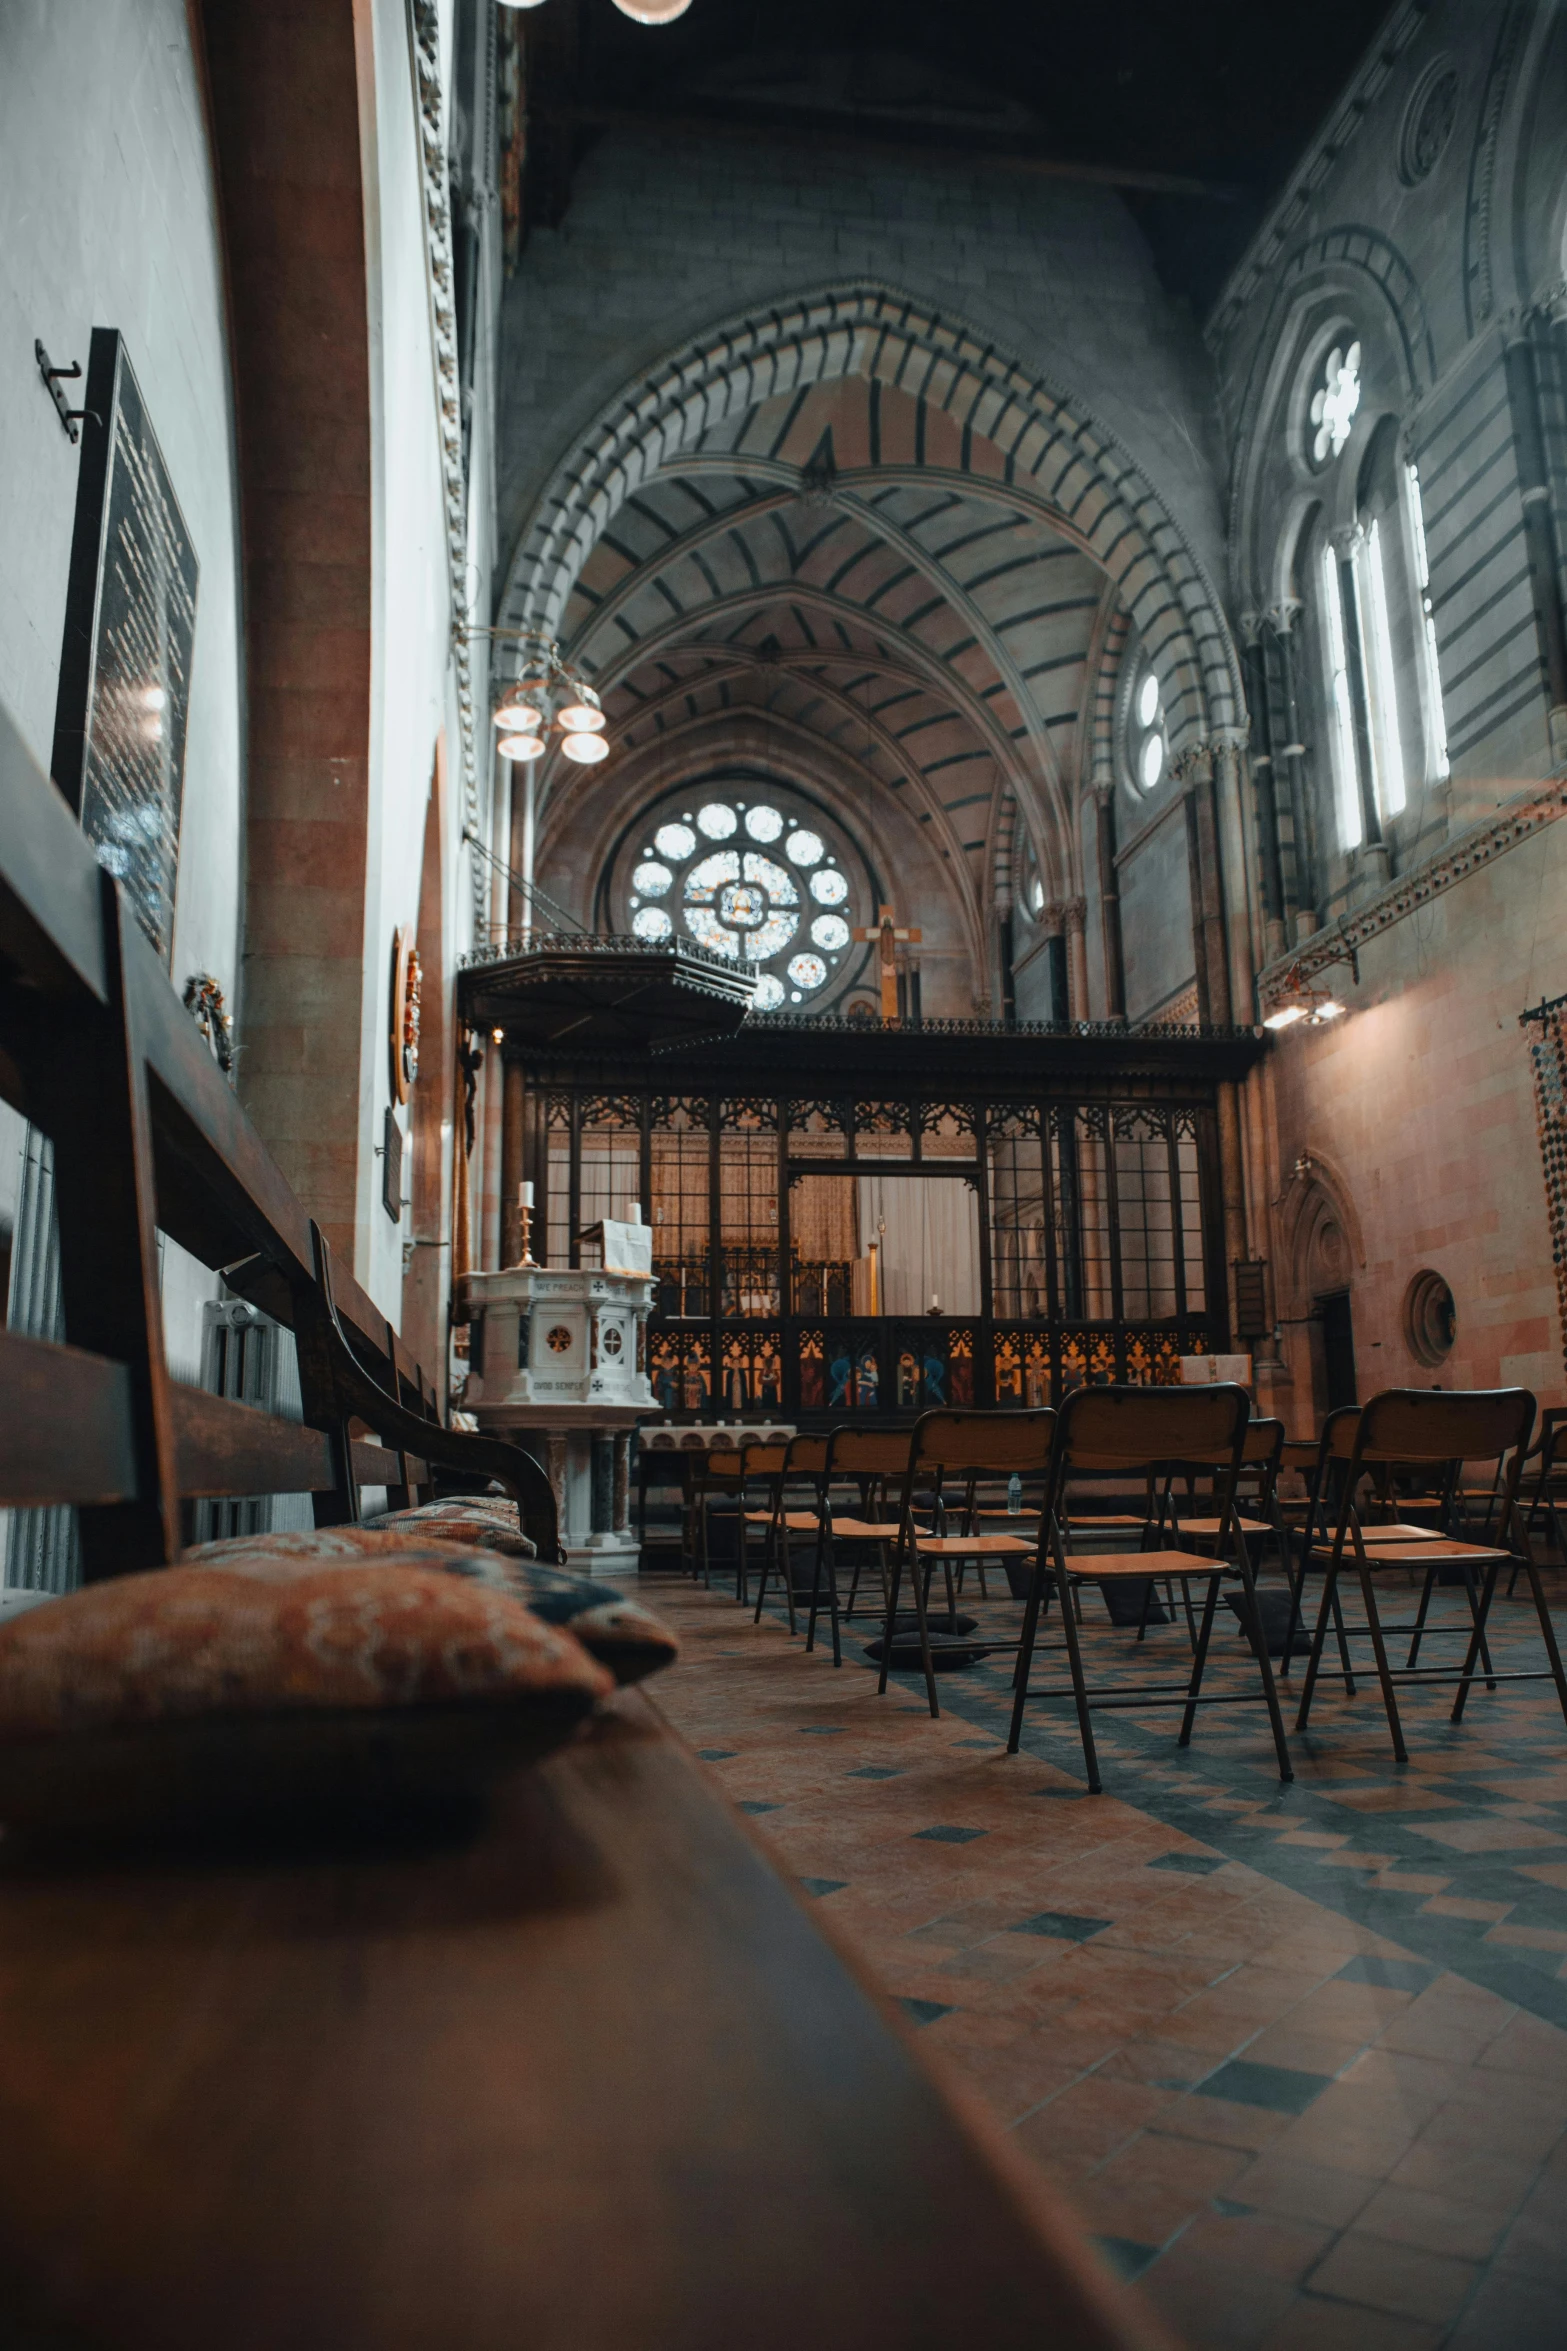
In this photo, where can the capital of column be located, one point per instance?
(1074, 913)
(1281, 617)
(1193, 764)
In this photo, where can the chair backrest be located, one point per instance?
(1128, 1428)
(765, 1461)
(1264, 1444)
(97, 1051)
(1422, 1427)
(982, 1444)
(806, 1457)
(868, 1453)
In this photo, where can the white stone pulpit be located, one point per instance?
(559, 1363)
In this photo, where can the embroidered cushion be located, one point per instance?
(619, 1632)
(197, 1696)
(490, 1520)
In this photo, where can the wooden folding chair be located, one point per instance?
(719, 1477)
(967, 1445)
(1261, 1460)
(1202, 1429)
(875, 1460)
(804, 1460)
(1549, 1491)
(1423, 1429)
(756, 1505)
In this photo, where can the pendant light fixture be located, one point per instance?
(547, 694)
(652, 11)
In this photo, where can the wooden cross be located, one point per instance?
(888, 939)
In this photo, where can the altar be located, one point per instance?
(558, 1363)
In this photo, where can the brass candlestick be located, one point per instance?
(525, 1221)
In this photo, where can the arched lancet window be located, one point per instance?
(1381, 683)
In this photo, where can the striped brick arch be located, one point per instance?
(855, 519)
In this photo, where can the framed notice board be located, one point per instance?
(130, 623)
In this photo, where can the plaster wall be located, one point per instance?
(410, 694)
(107, 194)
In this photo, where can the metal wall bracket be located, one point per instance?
(53, 377)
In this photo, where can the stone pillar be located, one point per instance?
(1194, 769)
(1290, 765)
(1110, 904)
(621, 1511)
(1237, 866)
(555, 1471)
(1074, 915)
(1259, 697)
(513, 1115)
(602, 1502)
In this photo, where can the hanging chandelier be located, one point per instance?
(548, 695)
(1297, 1000)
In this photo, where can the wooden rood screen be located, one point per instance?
(893, 1251)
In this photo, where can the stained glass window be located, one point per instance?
(743, 903)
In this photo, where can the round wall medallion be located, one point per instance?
(558, 1339)
(407, 983)
(611, 1341)
(1428, 121)
(1430, 1318)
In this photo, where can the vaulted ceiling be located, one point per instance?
(850, 567)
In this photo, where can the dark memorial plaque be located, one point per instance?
(130, 620)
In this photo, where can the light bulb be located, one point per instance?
(519, 716)
(586, 750)
(1285, 1017)
(522, 746)
(652, 11)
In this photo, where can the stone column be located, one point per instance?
(555, 1471)
(1110, 904)
(1074, 916)
(622, 1483)
(513, 1114)
(1237, 866)
(602, 1500)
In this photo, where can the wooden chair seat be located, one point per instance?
(867, 1530)
(967, 1546)
(1145, 1563)
(1208, 1528)
(1433, 1550)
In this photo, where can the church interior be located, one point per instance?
(778, 962)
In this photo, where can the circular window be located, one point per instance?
(1334, 402)
(1430, 1318)
(1428, 122)
(744, 903)
(1146, 746)
(611, 1341)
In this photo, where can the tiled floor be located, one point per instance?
(1297, 2054)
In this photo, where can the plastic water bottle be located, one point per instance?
(1014, 1496)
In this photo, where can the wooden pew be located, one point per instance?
(97, 1049)
(587, 2079)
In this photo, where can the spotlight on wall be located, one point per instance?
(1297, 1001)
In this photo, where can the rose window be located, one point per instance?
(762, 904)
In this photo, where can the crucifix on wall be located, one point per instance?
(888, 940)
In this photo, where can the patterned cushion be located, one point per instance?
(207, 1696)
(622, 1634)
(490, 1520)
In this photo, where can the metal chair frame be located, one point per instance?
(803, 1457)
(949, 1442)
(1169, 1429)
(1434, 1429)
